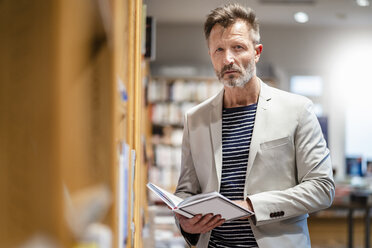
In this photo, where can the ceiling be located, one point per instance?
(269, 12)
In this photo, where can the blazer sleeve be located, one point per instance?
(188, 183)
(315, 189)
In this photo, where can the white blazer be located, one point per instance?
(289, 172)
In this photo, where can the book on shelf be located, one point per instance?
(205, 203)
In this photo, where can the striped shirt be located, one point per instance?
(237, 128)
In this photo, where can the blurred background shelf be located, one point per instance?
(169, 97)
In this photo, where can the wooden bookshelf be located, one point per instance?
(63, 118)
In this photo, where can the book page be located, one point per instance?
(170, 199)
(198, 197)
(216, 205)
(175, 199)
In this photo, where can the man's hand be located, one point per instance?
(198, 223)
(245, 204)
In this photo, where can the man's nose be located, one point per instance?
(229, 58)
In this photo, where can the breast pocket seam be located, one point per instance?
(274, 143)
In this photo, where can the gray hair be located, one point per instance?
(228, 14)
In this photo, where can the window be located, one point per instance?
(307, 85)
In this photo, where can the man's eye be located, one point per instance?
(219, 49)
(238, 47)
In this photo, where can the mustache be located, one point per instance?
(229, 68)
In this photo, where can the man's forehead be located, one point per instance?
(239, 28)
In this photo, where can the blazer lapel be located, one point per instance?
(216, 134)
(259, 124)
(259, 128)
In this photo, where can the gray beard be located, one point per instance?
(240, 81)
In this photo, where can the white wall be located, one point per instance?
(295, 50)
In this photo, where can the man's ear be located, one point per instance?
(258, 51)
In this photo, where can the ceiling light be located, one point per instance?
(363, 3)
(301, 17)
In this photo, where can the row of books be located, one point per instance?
(167, 160)
(167, 177)
(167, 156)
(181, 90)
(167, 113)
(167, 135)
(169, 99)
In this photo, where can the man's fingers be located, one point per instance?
(199, 223)
(192, 220)
(219, 223)
(204, 220)
(189, 224)
(179, 216)
(214, 222)
(195, 219)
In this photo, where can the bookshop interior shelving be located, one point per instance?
(169, 98)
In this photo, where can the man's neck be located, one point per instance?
(238, 97)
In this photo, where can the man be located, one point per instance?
(257, 145)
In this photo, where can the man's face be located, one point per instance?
(233, 54)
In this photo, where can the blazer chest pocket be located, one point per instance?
(274, 143)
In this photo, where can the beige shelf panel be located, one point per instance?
(62, 118)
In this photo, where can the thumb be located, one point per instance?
(179, 216)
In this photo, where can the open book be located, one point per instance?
(213, 202)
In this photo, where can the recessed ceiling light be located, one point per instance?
(363, 3)
(301, 17)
